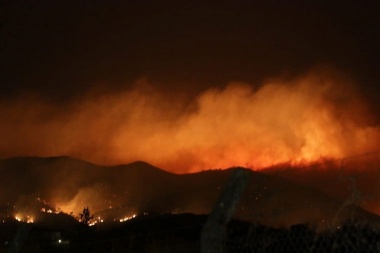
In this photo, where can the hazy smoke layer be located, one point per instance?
(300, 120)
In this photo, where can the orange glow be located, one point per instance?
(318, 115)
(24, 218)
(127, 218)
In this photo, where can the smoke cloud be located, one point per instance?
(314, 116)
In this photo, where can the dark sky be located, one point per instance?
(61, 49)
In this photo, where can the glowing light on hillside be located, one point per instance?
(24, 218)
(44, 210)
(96, 221)
(127, 218)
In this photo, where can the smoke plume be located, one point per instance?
(314, 116)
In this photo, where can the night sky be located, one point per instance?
(61, 49)
(55, 55)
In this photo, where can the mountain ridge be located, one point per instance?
(116, 191)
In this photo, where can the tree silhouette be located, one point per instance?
(85, 216)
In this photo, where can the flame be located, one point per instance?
(50, 211)
(96, 221)
(24, 218)
(318, 115)
(127, 218)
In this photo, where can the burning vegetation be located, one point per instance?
(86, 217)
(315, 118)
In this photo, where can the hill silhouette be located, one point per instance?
(353, 179)
(114, 192)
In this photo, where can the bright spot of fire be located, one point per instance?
(96, 221)
(24, 218)
(127, 218)
(44, 210)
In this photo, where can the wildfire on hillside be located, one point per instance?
(29, 218)
(24, 218)
(317, 115)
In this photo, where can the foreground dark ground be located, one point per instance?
(181, 233)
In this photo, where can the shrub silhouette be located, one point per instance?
(85, 216)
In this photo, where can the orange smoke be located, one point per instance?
(318, 115)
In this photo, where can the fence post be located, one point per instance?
(213, 235)
(20, 238)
